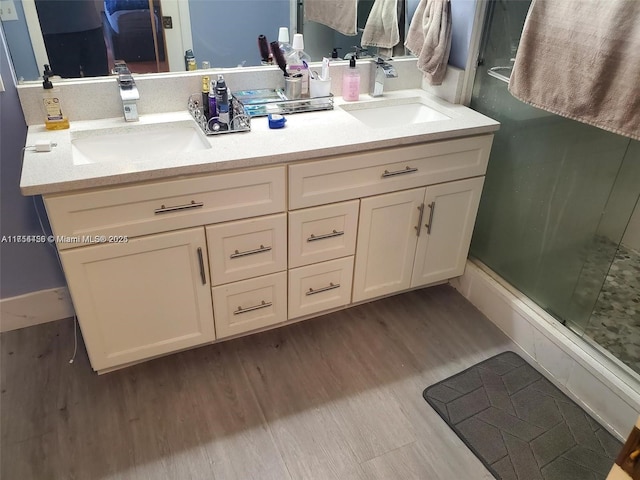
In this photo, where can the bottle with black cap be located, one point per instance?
(51, 99)
(222, 103)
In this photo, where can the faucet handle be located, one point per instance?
(120, 67)
(125, 80)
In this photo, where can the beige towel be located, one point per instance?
(581, 59)
(381, 29)
(341, 15)
(429, 38)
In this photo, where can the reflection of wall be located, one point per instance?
(19, 43)
(462, 15)
(26, 267)
(225, 32)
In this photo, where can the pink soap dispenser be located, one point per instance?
(351, 82)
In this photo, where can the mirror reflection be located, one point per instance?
(83, 38)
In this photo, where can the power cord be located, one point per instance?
(41, 146)
(55, 251)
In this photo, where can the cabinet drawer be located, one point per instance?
(247, 248)
(169, 205)
(319, 287)
(371, 173)
(250, 304)
(322, 233)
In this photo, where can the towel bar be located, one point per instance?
(493, 72)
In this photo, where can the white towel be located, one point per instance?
(581, 59)
(341, 15)
(381, 29)
(429, 38)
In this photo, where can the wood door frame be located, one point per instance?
(177, 40)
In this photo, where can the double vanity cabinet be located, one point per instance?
(162, 266)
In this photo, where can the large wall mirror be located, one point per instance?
(153, 35)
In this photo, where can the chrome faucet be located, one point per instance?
(382, 70)
(128, 91)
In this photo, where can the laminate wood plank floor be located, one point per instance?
(336, 397)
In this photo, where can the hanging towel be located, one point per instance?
(429, 38)
(581, 59)
(381, 29)
(341, 15)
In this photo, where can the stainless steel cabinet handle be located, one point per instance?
(238, 254)
(407, 169)
(432, 208)
(335, 233)
(419, 226)
(263, 304)
(331, 286)
(176, 208)
(203, 275)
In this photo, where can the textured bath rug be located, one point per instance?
(520, 425)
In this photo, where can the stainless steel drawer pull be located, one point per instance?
(238, 254)
(407, 169)
(419, 226)
(331, 286)
(313, 237)
(203, 275)
(432, 208)
(263, 304)
(176, 208)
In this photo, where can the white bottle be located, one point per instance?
(298, 62)
(283, 41)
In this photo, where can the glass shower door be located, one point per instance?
(548, 185)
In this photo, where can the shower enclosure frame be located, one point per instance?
(619, 380)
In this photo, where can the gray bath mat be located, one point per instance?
(520, 425)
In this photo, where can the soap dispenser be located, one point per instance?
(52, 101)
(351, 82)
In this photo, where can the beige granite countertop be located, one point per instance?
(306, 136)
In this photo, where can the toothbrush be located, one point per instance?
(325, 69)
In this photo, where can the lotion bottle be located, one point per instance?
(54, 118)
(351, 82)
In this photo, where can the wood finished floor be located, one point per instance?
(337, 397)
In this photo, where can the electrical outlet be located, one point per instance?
(8, 11)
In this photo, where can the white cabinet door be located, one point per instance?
(143, 298)
(386, 243)
(449, 217)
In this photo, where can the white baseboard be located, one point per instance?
(35, 308)
(602, 387)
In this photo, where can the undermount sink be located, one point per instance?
(136, 143)
(393, 113)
